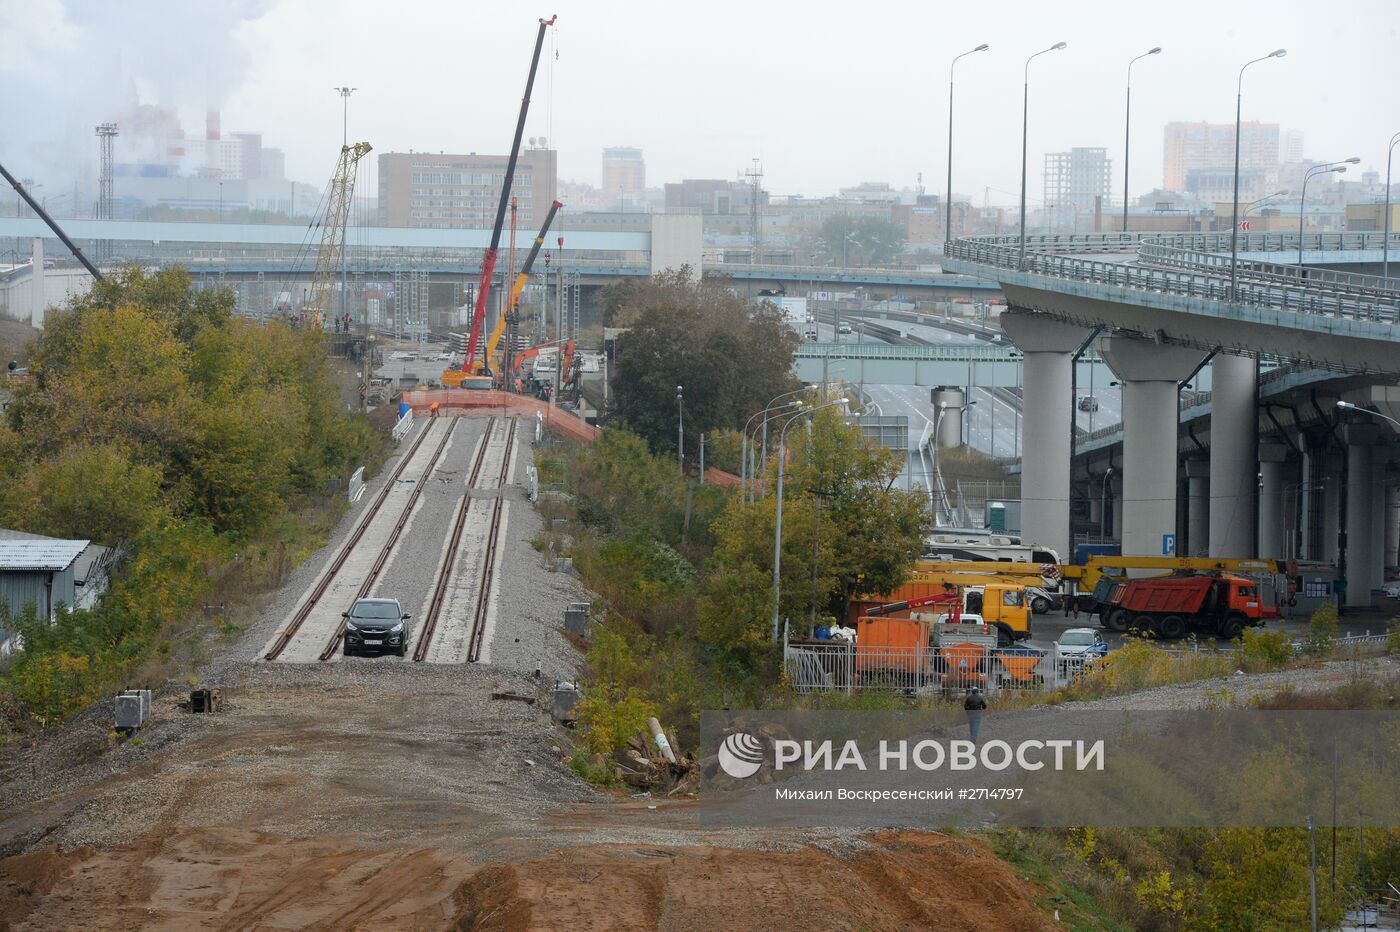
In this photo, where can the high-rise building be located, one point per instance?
(1292, 145)
(624, 176)
(1078, 181)
(443, 191)
(1197, 155)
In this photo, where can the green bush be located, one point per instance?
(1262, 650)
(1322, 631)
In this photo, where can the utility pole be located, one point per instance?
(755, 176)
(680, 430)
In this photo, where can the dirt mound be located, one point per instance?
(28, 877)
(900, 880)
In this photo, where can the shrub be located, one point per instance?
(1322, 631)
(1264, 650)
(608, 720)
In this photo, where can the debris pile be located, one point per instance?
(650, 763)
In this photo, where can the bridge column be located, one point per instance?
(1150, 373)
(1272, 457)
(1390, 546)
(1362, 558)
(1233, 436)
(1197, 509)
(37, 304)
(1048, 346)
(1332, 479)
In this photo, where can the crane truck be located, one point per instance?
(457, 377)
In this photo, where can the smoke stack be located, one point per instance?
(211, 125)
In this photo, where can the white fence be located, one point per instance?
(1345, 645)
(404, 425)
(837, 666)
(357, 485)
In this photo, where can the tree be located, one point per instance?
(846, 529)
(730, 354)
(852, 242)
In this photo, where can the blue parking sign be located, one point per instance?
(1168, 545)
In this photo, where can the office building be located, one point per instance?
(1077, 184)
(1197, 155)
(624, 177)
(444, 191)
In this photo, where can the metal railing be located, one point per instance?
(839, 666)
(929, 351)
(403, 425)
(1312, 298)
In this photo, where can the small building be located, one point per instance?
(48, 571)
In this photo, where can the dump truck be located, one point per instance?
(1169, 607)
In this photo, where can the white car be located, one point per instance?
(844, 329)
(1392, 589)
(1081, 642)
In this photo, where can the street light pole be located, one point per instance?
(1385, 243)
(948, 198)
(1328, 168)
(748, 472)
(778, 518)
(1347, 405)
(1235, 198)
(1025, 129)
(1127, 130)
(680, 430)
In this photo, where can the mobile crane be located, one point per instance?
(455, 378)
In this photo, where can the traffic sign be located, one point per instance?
(1168, 545)
(1244, 226)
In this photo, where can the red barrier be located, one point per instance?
(565, 423)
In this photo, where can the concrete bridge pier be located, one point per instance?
(1363, 569)
(1198, 503)
(1272, 460)
(1150, 373)
(1233, 464)
(1048, 393)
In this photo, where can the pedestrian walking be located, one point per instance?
(1071, 605)
(974, 705)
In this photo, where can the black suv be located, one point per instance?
(376, 625)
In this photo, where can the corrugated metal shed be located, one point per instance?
(48, 554)
(37, 570)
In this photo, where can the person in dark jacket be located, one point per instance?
(974, 705)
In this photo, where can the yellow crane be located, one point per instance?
(333, 227)
(1087, 576)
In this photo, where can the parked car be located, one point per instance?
(376, 626)
(1391, 589)
(1088, 403)
(1081, 642)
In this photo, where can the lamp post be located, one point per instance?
(778, 519)
(1385, 243)
(680, 429)
(1235, 198)
(1127, 129)
(1328, 168)
(1268, 197)
(1348, 406)
(748, 473)
(1025, 128)
(948, 199)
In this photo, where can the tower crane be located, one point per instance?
(333, 227)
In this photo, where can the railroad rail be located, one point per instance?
(478, 633)
(449, 560)
(285, 636)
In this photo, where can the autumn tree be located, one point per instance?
(731, 355)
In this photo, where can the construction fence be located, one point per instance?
(950, 670)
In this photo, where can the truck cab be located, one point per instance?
(1006, 608)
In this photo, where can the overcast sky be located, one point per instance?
(825, 94)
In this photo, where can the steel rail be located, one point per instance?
(285, 636)
(449, 560)
(478, 634)
(333, 644)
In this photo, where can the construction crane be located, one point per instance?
(50, 223)
(488, 259)
(333, 226)
(476, 372)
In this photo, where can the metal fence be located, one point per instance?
(948, 671)
(404, 425)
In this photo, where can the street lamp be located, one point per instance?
(1268, 197)
(1127, 129)
(680, 430)
(1235, 198)
(778, 520)
(948, 200)
(1385, 243)
(1328, 168)
(1347, 405)
(749, 473)
(345, 93)
(1025, 127)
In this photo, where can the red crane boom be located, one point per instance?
(488, 260)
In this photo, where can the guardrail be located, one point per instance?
(403, 426)
(357, 485)
(837, 666)
(1312, 299)
(929, 351)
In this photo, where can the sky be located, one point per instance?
(826, 95)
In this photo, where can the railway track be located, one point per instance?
(287, 634)
(454, 544)
(478, 634)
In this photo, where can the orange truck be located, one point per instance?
(1169, 607)
(1001, 604)
(920, 652)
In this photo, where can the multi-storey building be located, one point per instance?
(444, 191)
(1195, 154)
(624, 177)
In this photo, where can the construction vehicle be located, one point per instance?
(334, 224)
(52, 224)
(1220, 604)
(920, 653)
(457, 378)
(478, 373)
(1000, 604)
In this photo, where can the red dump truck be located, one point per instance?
(1171, 606)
